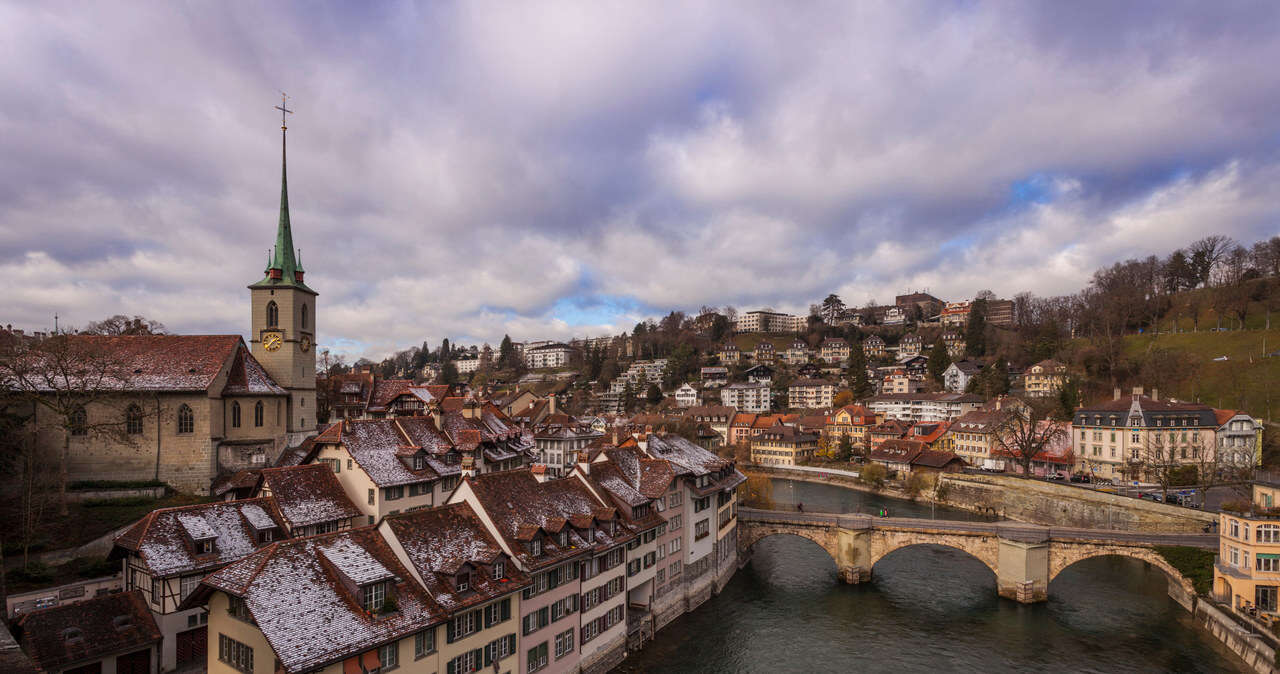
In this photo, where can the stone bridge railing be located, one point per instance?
(1025, 558)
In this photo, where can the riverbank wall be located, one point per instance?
(1031, 501)
(1253, 649)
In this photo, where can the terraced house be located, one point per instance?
(573, 546)
(165, 554)
(853, 421)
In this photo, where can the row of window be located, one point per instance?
(1265, 533)
(602, 624)
(473, 660)
(596, 596)
(470, 622)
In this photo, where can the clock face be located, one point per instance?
(304, 344)
(272, 341)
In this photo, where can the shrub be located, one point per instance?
(36, 572)
(90, 485)
(917, 483)
(1193, 563)
(873, 475)
(389, 605)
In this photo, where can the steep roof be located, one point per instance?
(519, 506)
(685, 457)
(60, 636)
(164, 538)
(930, 458)
(164, 363)
(308, 494)
(386, 390)
(248, 377)
(898, 451)
(296, 593)
(382, 446)
(441, 541)
(283, 269)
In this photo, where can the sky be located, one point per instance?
(549, 170)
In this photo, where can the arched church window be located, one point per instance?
(304, 318)
(235, 414)
(133, 420)
(257, 413)
(186, 420)
(79, 421)
(273, 314)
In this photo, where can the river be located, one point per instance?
(926, 608)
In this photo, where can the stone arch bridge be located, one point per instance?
(1025, 558)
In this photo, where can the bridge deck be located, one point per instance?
(1003, 529)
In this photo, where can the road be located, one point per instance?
(1004, 529)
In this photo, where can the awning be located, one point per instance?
(1267, 555)
(351, 666)
(370, 660)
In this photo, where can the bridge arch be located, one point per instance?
(1063, 555)
(824, 537)
(985, 549)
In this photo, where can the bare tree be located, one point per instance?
(1026, 431)
(78, 386)
(124, 325)
(1206, 254)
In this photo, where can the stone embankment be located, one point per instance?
(1032, 501)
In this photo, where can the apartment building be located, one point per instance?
(924, 406)
(730, 354)
(755, 398)
(1238, 439)
(559, 441)
(959, 373)
(853, 421)
(811, 394)
(769, 321)
(834, 350)
(783, 446)
(764, 353)
(873, 347)
(911, 345)
(797, 353)
(1246, 575)
(1128, 436)
(547, 356)
(1045, 378)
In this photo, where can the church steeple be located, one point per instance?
(283, 268)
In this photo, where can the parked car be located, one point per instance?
(1221, 358)
(1080, 477)
(1054, 476)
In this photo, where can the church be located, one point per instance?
(187, 409)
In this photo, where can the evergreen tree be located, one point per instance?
(975, 334)
(449, 373)
(858, 381)
(628, 399)
(653, 395)
(939, 360)
(506, 353)
(445, 354)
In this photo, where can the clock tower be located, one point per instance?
(282, 323)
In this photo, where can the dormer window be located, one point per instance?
(563, 538)
(535, 547)
(72, 635)
(204, 547)
(462, 582)
(373, 596)
(266, 535)
(419, 462)
(499, 569)
(122, 622)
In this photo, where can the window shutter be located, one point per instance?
(451, 668)
(506, 610)
(488, 654)
(449, 635)
(480, 655)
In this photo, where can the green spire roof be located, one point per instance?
(283, 269)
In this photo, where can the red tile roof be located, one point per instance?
(163, 538)
(163, 362)
(88, 630)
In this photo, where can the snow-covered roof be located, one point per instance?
(308, 494)
(304, 611)
(164, 538)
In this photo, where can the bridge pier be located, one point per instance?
(1023, 570)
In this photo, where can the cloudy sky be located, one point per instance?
(550, 170)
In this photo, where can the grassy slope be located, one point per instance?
(1244, 381)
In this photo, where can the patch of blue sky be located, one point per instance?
(594, 309)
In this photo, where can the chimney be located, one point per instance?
(552, 402)
(1155, 393)
(1137, 391)
(1116, 394)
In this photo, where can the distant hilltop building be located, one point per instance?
(769, 321)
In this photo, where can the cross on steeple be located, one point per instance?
(284, 101)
